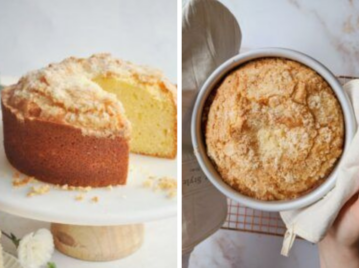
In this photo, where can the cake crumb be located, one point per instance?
(110, 188)
(167, 183)
(65, 187)
(74, 188)
(172, 194)
(83, 189)
(87, 189)
(79, 197)
(39, 190)
(95, 199)
(18, 182)
(164, 184)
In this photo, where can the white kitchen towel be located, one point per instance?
(210, 36)
(313, 222)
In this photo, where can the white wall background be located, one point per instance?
(34, 33)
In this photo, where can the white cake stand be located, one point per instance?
(109, 229)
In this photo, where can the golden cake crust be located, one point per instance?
(60, 154)
(274, 129)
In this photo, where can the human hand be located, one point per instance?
(340, 247)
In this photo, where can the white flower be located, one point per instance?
(36, 249)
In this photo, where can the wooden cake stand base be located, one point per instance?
(97, 243)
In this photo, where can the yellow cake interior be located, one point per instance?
(151, 112)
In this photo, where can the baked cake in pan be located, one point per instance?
(274, 129)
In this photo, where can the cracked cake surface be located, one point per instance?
(274, 129)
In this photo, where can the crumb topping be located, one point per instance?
(65, 93)
(274, 129)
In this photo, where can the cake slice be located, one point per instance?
(151, 108)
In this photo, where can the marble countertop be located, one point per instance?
(324, 29)
(327, 30)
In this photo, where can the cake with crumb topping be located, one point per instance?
(274, 129)
(76, 121)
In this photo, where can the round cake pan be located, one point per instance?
(198, 137)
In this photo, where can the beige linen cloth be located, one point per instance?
(211, 35)
(313, 222)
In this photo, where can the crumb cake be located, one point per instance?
(274, 129)
(66, 123)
